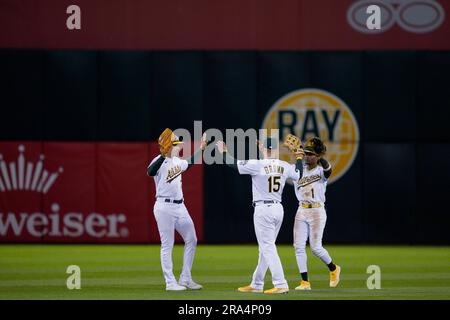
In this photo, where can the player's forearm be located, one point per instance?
(230, 161)
(193, 158)
(299, 167)
(326, 167)
(154, 167)
(325, 164)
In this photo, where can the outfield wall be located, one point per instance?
(84, 95)
(115, 104)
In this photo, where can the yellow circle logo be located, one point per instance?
(308, 113)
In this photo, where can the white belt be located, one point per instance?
(265, 202)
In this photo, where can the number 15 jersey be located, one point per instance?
(268, 177)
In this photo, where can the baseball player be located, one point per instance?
(169, 210)
(311, 216)
(268, 179)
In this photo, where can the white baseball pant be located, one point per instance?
(310, 223)
(171, 217)
(267, 219)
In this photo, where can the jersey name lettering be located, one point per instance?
(308, 180)
(274, 169)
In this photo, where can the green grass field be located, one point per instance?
(134, 272)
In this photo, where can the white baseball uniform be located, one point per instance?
(172, 216)
(268, 180)
(311, 215)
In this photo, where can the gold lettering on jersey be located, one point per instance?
(172, 173)
(308, 180)
(274, 169)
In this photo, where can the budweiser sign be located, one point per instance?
(70, 224)
(83, 192)
(21, 178)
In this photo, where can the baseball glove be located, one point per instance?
(294, 144)
(165, 142)
(316, 146)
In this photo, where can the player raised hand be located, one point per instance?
(221, 146)
(299, 153)
(260, 145)
(294, 145)
(203, 142)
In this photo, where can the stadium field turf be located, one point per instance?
(134, 272)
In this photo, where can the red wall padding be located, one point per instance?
(102, 195)
(204, 24)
